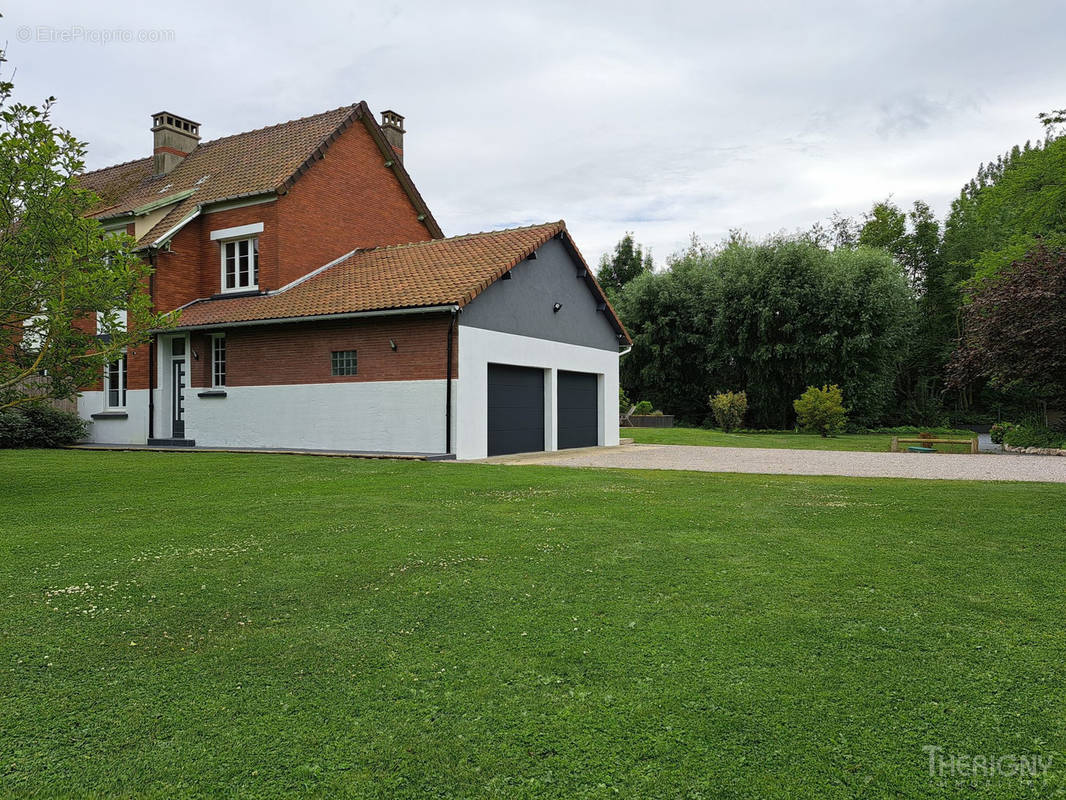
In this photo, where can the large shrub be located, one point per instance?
(1034, 436)
(729, 409)
(768, 319)
(39, 426)
(821, 410)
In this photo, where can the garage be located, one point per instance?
(515, 409)
(578, 404)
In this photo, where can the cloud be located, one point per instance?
(665, 119)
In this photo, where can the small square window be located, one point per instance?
(343, 362)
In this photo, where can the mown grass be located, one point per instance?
(789, 440)
(258, 626)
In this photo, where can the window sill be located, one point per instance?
(212, 393)
(110, 415)
(243, 291)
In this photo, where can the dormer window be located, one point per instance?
(240, 264)
(239, 249)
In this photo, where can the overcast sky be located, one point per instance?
(661, 118)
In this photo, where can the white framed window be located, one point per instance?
(240, 264)
(33, 333)
(115, 383)
(218, 361)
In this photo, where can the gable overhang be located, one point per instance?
(170, 234)
(585, 273)
(597, 290)
(361, 113)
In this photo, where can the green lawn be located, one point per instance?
(252, 625)
(790, 440)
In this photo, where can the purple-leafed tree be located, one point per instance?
(1014, 328)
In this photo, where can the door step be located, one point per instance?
(171, 443)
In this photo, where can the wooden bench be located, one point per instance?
(924, 444)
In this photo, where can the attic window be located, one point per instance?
(240, 264)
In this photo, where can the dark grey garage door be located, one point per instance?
(516, 409)
(579, 423)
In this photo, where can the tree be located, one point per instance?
(1014, 328)
(629, 261)
(57, 268)
(885, 226)
(1000, 214)
(913, 239)
(768, 319)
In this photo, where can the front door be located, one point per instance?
(177, 383)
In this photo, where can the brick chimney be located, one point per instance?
(174, 138)
(392, 127)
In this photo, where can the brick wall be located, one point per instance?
(300, 352)
(347, 199)
(193, 267)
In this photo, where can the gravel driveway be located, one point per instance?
(941, 466)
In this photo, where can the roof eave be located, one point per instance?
(381, 312)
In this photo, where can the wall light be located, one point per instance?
(556, 307)
(392, 344)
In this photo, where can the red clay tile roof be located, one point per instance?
(264, 160)
(438, 272)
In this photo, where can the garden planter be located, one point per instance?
(652, 420)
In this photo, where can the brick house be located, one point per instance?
(321, 306)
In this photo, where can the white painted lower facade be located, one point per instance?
(377, 416)
(479, 347)
(128, 425)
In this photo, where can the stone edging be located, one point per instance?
(1034, 451)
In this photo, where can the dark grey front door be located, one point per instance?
(578, 404)
(515, 409)
(177, 384)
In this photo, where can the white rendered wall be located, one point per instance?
(479, 347)
(380, 416)
(131, 429)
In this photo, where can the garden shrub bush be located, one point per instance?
(39, 426)
(644, 407)
(1034, 436)
(821, 410)
(999, 430)
(729, 409)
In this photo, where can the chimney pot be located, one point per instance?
(174, 138)
(392, 127)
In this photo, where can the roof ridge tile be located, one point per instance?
(306, 118)
(426, 242)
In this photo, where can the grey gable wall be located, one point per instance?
(523, 304)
